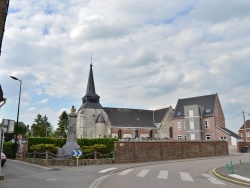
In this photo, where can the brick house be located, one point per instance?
(242, 131)
(200, 118)
(95, 121)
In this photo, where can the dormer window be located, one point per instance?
(179, 114)
(208, 110)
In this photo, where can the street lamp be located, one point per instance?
(15, 147)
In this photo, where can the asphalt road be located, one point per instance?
(194, 173)
(23, 175)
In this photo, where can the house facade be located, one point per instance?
(95, 121)
(244, 132)
(199, 118)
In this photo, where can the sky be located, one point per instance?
(145, 54)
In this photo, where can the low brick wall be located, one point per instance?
(137, 151)
(68, 162)
(241, 145)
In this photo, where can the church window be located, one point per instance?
(120, 134)
(136, 134)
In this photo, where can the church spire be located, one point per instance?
(91, 99)
(91, 84)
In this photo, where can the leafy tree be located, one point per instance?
(62, 125)
(41, 126)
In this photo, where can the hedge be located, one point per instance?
(8, 147)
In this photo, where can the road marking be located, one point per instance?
(125, 172)
(213, 180)
(142, 173)
(106, 170)
(239, 177)
(163, 174)
(51, 179)
(186, 176)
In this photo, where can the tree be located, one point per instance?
(41, 126)
(62, 125)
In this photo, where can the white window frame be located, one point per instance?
(179, 137)
(178, 125)
(223, 138)
(248, 134)
(184, 125)
(208, 136)
(207, 124)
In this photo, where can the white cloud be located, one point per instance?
(146, 54)
(44, 101)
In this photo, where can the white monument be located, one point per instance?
(71, 143)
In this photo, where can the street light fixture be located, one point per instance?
(15, 147)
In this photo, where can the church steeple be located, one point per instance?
(91, 99)
(91, 84)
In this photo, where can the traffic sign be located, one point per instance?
(76, 153)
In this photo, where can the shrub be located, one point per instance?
(44, 147)
(8, 148)
(101, 148)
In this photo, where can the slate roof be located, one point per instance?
(247, 124)
(124, 117)
(207, 102)
(159, 114)
(233, 134)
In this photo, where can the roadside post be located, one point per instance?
(76, 154)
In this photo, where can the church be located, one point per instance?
(96, 121)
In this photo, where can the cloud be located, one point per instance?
(146, 54)
(44, 101)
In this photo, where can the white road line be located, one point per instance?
(142, 173)
(239, 177)
(125, 172)
(106, 170)
(213, 180)
(186, 176)
(51, 179)
(163, 174)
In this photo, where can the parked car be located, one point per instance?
(3, 156)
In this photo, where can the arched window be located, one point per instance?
(120, 134)
(171, 132)
(151, 134)
(136, 134)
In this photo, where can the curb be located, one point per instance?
(232, 180)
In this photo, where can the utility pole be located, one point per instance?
(245, 129)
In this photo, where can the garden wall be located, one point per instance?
(141, 151)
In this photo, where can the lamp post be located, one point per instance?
(15, 147)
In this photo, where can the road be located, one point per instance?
(182, 173)
(186, 173)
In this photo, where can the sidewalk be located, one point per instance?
(239, 174)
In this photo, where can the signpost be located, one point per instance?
(77, 154)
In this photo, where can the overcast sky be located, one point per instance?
(145, 55)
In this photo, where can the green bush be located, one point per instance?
(108, 142)
(44, 147)
(88, 149)
(8, 148)
(101, 148)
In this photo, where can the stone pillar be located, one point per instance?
(71, 143)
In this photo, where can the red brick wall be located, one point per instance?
(129, 152)
(223, 134)
(177, 132)
(218, 113)
(240, 145)
(242, 132)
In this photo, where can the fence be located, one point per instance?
(48, 155)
